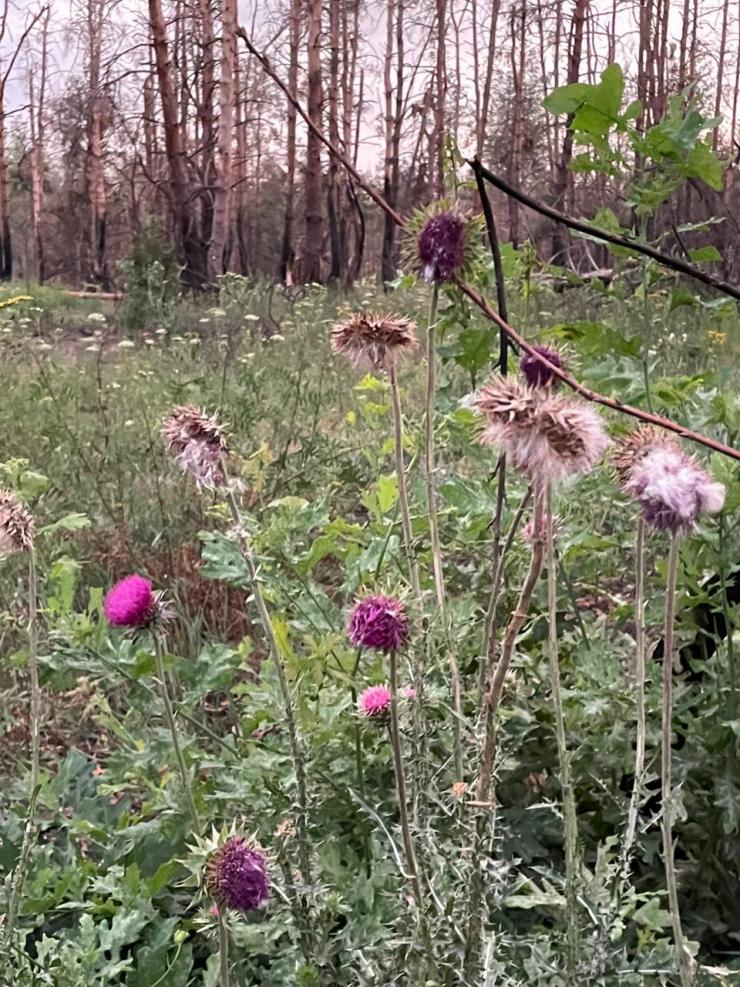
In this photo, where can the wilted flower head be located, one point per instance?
(379, 622)
(131, 603)
(546, 436)
(16, 525)
(236, 875)
(374, 341)
(672, 490)
(535, 372)
(441, 246)
(630, 449)
(375, 702)
(197, 442)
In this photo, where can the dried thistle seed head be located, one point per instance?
(197, 442)
(374, 341)
(535, 372)
(236, 875)
(671, 489)
(545, 436)
(634, 446)
(441, 246)
(17, 525)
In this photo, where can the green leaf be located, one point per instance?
(69, 522)
(705, 254)
(566, 99)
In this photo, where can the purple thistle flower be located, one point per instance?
(374, 702)
(379, 622)
(535, 372)
(441, 246)
(672, 490)
(130, 603)
(236, 875)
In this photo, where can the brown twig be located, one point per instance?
(588, 229)
(484, 305)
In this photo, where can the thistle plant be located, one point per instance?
(672, 492)
(381, 624)
(198, 443)
(132, 604)
(372, 341)
(17, 530)
(441, 253)
(548, 438)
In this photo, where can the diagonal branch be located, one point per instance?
(674, 263)
(484, 305)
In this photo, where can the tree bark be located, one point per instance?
(287, 254)
(313, 247)
(223, 171)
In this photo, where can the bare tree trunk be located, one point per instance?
(95, 173)
(207, 117)
(241, 169)
(440, 100)
(560, 190)
(287, 256)
(388, 259)
(178, 184)
(334, 196)
(482, 122)
(37, 129)
(517, 69)
(720, 71)
(223, 171)
(313, 246)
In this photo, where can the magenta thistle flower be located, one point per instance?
(16, 525)
(131, 603)
(379, 622)
(544, 435)
(672, 490)
(374, 702)
(198, 444)
(236, 875)
(441, 246)
(535, 372)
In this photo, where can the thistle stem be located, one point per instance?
(570, 821)
(19, 877)
(358, 763)
(489, 709)
(408, 841)
(403, 497)
(640, 729)
(223, 949)
(274, 652)
(684, 960)
(170, 717)
(438, 569)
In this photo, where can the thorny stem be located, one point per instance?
(490, 705)
(570, 821)
(403, 497)
(358, 762)
(35, 727)
(223, 949)
(637, 785)
(489, 650)
(684, 959)
(274, 652)
(170, 717)
(439, 577)
(403, 815)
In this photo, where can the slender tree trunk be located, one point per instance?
(721, 70)
(518, 62)
(6, 270)
(313, 246)
(388, 258)
(440, 100)
(560, 191)
(178, 185)
(241, 169)
(95, 173)
(482, 122)
(223, 171)
(287, 255)
(334, 196)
